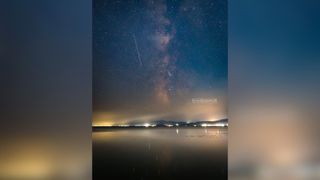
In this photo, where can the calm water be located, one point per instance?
(160, 153)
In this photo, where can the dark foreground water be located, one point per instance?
(160, 153)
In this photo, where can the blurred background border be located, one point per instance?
(45, 53)
(45, 49)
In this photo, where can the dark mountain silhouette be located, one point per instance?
(170, 123)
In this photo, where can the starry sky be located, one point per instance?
(157, 59)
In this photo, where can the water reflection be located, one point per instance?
(160, 153)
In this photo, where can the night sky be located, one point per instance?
(152, 58)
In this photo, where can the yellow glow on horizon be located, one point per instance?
(106, 124)
(186, 111)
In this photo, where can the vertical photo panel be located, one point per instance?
(160, 89)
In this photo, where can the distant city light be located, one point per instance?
(146, 125)
(204, 125)
(124, 125)
(214, 125)
(220, 125)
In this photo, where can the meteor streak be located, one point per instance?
(137, 49)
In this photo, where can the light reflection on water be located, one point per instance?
(160, 153)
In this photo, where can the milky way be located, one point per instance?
(152, 57)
